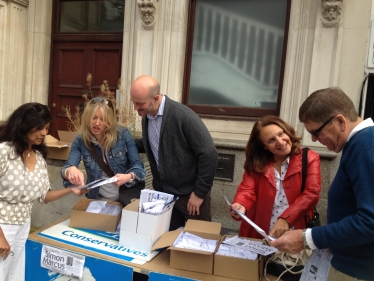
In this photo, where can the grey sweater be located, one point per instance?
(187, 155)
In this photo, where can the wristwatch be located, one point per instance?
(306, 246)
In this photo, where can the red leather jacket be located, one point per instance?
(257, 192)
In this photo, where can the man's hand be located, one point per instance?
(290, 242)
(280, 227)
(75, 176)
(193, 205)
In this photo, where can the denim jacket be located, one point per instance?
(123, 158)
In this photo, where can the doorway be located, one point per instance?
(86, 38)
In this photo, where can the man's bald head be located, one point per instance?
(145, 94)
(145, 85)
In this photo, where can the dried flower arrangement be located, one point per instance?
(125, 113)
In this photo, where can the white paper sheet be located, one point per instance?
(155, 202)
(237, 252)
(317, 267)
(249, 245)
(95, 183)
(64, 262)
(255, 226)
(190, 241)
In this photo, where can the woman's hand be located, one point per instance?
(4, 245)
(74, 176)
(238, 207)
(122, 179)
(79, 192)
(280, 227)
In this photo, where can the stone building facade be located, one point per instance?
(327, 46)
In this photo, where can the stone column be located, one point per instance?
(3, 29)
(38, 52)
(340, 49)
(154, 43)
(299, 58)
(25, 38)
(13, 42)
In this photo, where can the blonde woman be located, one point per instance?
(114, 144)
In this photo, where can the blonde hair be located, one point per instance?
(109, 119)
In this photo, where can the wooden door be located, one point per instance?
(87, 38)
(72, 62)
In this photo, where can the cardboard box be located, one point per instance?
(237, 268)
(192, 260)
(79, 218)
(140, 231)
(59, 149)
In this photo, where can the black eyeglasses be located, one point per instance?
(102, 100)
(316, 132)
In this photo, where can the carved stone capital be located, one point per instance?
(147, 13)
(331, 10)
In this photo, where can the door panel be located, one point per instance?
(72, 61)
(107, 65)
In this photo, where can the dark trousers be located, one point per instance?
(180, 214)
(127, 195)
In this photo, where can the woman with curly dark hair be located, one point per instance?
(270, 192)
(23, 179)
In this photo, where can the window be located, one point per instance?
(92, 16)
(235, 57)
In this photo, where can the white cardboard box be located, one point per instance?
(141, 231)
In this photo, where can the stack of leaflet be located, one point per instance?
(155, 203)
(244, 248)
(102, 207)
(188, 240)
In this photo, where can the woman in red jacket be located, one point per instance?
(270, 192)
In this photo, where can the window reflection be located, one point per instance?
(237, 52)
(92, 16)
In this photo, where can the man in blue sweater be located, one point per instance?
(331, 118)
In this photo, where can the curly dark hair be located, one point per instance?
(26, 118)
(257, 157)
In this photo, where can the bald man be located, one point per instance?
(179, 148)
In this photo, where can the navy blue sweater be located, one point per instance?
(349, 233)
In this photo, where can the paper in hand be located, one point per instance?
(244, 217)
(95, 183)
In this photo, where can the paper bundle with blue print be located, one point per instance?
(155, 202)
